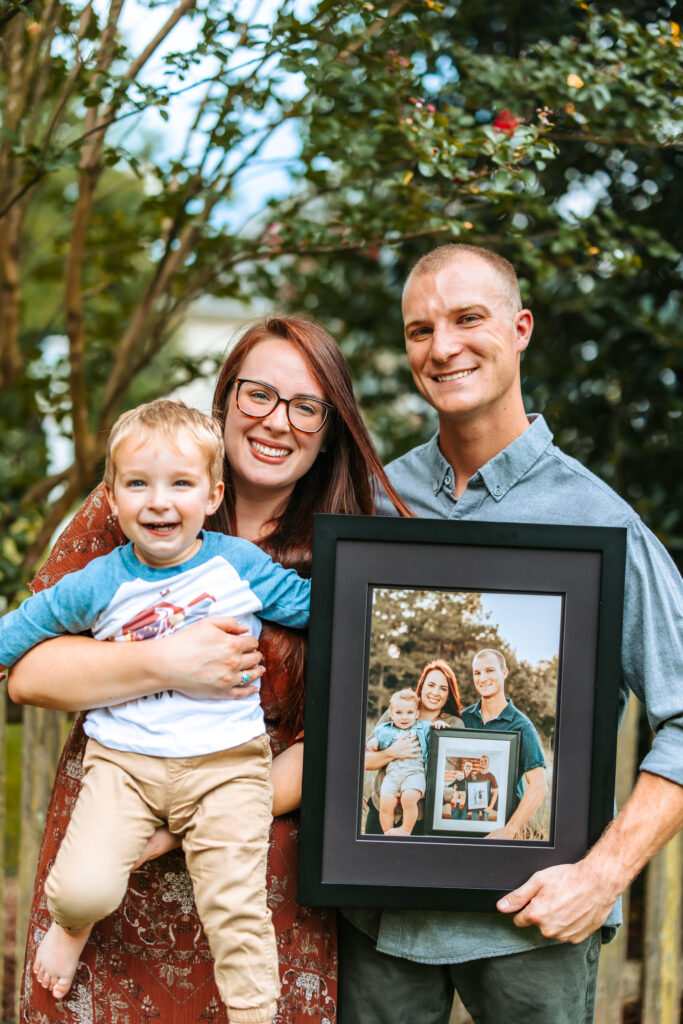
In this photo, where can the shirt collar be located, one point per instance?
(440, 471)
(507, 713)
(505, 469)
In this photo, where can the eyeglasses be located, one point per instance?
(258, 400)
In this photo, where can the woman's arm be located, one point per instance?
(75, 673)
(286, 775)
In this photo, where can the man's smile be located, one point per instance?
(443, 378)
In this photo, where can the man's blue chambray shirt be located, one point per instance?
(532, 481)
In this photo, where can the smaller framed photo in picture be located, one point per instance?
(471, 781)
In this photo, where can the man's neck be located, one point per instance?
(469, 444)
(491, 707)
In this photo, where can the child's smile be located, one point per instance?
(162, 494)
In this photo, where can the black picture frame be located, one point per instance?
(468, 744)
(355, 555)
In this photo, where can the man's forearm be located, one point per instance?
(570, 901)
(651, 816)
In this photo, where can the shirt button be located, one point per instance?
(498, 491)
(448, 482)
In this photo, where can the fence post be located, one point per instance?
(662, 940)
(609, 1000)
(3, 826)
(41, 745)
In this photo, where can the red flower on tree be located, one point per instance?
(506, 122)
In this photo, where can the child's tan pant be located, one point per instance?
(221, 805)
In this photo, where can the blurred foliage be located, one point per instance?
(548, 132)
(591, 226)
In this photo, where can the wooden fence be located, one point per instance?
(648, 989)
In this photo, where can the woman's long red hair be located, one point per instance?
(343, 478)
(453, 705)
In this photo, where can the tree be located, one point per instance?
(413, 627)
(416, 120)
(119, 260)
(589, 224)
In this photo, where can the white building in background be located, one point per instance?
(210, 329)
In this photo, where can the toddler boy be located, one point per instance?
(404, 780)
(203, 766)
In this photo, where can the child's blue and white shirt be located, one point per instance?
(387, 733)
(119, 598)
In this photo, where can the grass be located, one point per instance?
(13, 796)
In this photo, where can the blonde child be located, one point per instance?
(405, 780)
(203, 766)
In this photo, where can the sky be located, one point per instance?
(529, 622)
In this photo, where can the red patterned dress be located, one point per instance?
(149, 962)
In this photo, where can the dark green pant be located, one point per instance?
(551, 985)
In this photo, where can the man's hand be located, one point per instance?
(505, 832)
(567, 902)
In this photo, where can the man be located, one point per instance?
(494, 710)
(484, 775)
(536, 960)
(458, 791)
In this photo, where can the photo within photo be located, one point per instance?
(485, 664)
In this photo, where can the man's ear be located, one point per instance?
(215, 498)
(110, 498)
(524, 325)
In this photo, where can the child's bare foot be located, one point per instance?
(398, 830)
(57, 958)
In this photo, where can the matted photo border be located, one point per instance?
(352, 555)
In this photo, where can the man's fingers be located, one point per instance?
(518, 898)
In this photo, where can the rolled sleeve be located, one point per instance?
(652, 649)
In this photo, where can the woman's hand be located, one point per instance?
(159, 842)
(405, 746)
(209, 660)
(76, 673)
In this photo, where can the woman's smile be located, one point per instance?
(268, 455)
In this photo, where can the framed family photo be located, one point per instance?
(470, 781)
(461, 708)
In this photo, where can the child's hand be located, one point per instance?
(372, 744)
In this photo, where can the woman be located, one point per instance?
(150, 961)
(439, 697)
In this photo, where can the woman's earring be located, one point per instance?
(324, 448)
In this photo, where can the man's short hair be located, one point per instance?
(406, 694)
(496, 654)
(444, 255)
(167, 417)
